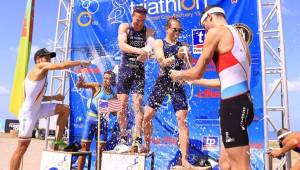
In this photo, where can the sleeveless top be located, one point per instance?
(92, 103)
(135, 39)
(233, 68)
(169, 51)
(34, 92)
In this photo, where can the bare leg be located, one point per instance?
(224, 160)
(63, 115)
(239, 157)
(183, 137)
(122, 117)
(81, 159)
(138, 110)
(149, 114)
(17, 156)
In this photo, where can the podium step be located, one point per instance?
(178, 167)
(112, 160)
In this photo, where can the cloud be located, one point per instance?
(4, 90)
(293, 85)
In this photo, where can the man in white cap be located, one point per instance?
(288, 141)
(230, 53)
(35, 85)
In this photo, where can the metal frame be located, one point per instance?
(61, 47)
(273, 70)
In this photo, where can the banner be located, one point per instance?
(17, 92)
(94, 37)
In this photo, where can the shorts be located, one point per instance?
(90, 129)
(165, 86)
(28, 119)
(131, 79)
(236, 114)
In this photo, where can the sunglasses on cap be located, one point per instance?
(179, 30)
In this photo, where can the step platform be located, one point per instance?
(125, 161)
(178, 167)
(61, 160)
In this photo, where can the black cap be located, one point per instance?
(43, 52)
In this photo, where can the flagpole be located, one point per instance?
(17, 92)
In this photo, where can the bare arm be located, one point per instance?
(210, 45)
(64, 65)
(212, 83)
(57, 97)
(122, 40)
(82, 84)
(290, 142)
(159, 53)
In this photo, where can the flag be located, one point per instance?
(107, 106)
(17, 92)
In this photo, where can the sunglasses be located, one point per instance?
(179, 30)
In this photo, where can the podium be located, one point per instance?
(127, 161)
(61, 160)
(178, 167)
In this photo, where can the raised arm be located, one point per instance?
(210, 45)
(82, 84)
(159, 53)
(64, 65)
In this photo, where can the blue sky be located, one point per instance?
(12, 13)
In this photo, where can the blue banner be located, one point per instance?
(94, 37)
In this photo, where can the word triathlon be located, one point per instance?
(164, 6)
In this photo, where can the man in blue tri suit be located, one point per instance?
(170, 55)
(133, 39)
(99, 92)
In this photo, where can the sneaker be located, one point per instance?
(122, 146)
(58, 145)
(74, 147)
(136, 146)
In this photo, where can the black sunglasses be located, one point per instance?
(179, 30)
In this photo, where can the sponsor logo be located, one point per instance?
(90, 7)
(164, 140)
(118, 11)
(168, 6)
(208, 93)
(198, 40)
(210, 143)
(245, 31)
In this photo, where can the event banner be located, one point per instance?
(95, 37)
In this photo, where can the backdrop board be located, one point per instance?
(94, 37)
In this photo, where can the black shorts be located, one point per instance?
(236, 114)
(131, 79)
(165, 86)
